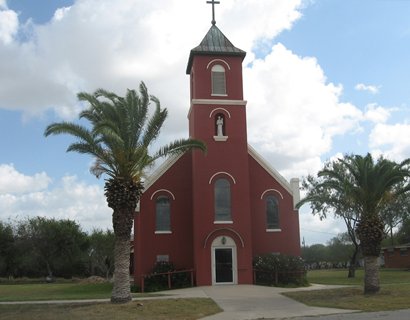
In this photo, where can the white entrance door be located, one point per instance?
(224, 262)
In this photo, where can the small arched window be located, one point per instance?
(218, 80)
(163, 214)
(222, 193)
(272, 213)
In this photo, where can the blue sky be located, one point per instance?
(322, 78)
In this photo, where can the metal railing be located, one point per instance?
(276, 277)
(169, 277)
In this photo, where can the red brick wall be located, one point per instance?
(396, 258)
(286, 241)
(177, 245)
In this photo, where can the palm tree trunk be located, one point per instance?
(371, 275)
(121, 289)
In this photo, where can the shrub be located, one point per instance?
(157, 280)
(279, 270)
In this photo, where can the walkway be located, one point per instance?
(248, 302)
(244, 302)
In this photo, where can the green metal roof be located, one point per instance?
(214, 43)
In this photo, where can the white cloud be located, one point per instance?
(369, 88)
(68, 199)
(391, 140)
(294, 112)
(60, 13)
(115, 45)
(376, 113)
(14, 182)
(8, 24)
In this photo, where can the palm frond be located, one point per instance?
(178, 147)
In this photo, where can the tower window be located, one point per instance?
(272, 213)
(163, 214)
(218, 80)
(222, 193)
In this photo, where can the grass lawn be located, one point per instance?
(176, 309)
(394, 294)
(54, 291)
(337, 276)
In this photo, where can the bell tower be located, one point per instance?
(220, 179)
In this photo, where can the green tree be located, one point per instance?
(324, 201)
(340, 249)
(120, 134)
(101, 252)
(365, 186)
(403, 233)
(57, 246)
(7, 250)
(315, 254)
(395, 213)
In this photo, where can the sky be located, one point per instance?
(322, 78)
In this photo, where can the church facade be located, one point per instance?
(214, 212)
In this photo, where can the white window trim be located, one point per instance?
(221, 138)
(223, 222)
(219, 95)
(273, 230)
(163, 232)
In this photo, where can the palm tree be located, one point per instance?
(366, 187)
(119, 136)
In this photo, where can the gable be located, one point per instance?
(292, 188)
(161, 170)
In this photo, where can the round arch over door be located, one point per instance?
(224, 261)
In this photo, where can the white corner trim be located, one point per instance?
(273, 172)
(219, 102)
(168, 163)
(163, 232)
(223, 109)
(220, 138)
(218, 60)
(164, 190)
(273, 230)
(222, 172)
(222, 102)
(274, 190)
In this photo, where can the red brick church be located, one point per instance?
(214, 212)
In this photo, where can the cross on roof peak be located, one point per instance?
(213, 2)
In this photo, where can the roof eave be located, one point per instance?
(211, 53)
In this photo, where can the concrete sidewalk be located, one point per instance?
(238, 302)
(244, 302)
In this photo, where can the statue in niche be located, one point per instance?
(219, 126)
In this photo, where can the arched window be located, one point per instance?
(222, 192)
(163, 214)
(218, 80)
(272, 213)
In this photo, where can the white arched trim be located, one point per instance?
(224, 173)
(223, 229)
(218, 60)
(163, 190)
(223, 109)
(274, 190)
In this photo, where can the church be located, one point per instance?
(214, 212)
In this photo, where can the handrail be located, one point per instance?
(191, 271)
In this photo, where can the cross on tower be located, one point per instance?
(213, 2)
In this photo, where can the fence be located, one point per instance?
(266, 277)
(166, 279)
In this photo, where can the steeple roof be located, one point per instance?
(214, 43)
